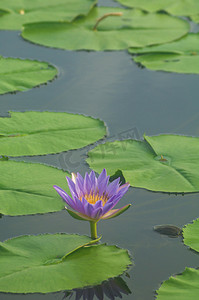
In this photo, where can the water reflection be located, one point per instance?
(110, 289)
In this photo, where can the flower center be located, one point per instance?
(93, 198)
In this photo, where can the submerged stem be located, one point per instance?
(93, 226)
(105, 16)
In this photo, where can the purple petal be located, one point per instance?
(92, 177)
(80, 179)
(107, 207)
(87, 184)
(79, 206)
(98, 204)
(93, 181)
(97, 213)
(113, 201)
(85, 205)
(71, 186)
(65, 196)
(102, 186)
(115, 212)
(79, 188)
(113, 187)
(102, 176)
(122, 190)
(90, 209)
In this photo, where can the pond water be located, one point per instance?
(132, 101)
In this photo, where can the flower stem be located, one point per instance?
(93, 226)
(105, 16)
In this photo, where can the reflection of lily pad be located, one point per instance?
(14, 13)
(38, 133)
(49, 263)
(180, 287)
(180, 56)
(167, 163)
(109, 289)
(174, 7)
(21, 75)
(191, 235)
(27, 188)
(133, 29)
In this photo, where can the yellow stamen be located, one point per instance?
(22, 12)
(93, 198)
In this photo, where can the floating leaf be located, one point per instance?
(191, 235)
(167, 163)
(54, 262)
(195, 18)
(27, 188)
(133, 29)
(174, 7)
(180, 287)
(181, 56)
(38, 133)
(23, 74)
(15, 13)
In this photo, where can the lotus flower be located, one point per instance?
(93, 198)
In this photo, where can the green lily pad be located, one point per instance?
(27, 188)
(21, 75)
(133, 29)
(195, 18)
(174, 7)
(39, 133)
(167, 163)
(191, 235)
(180, 287)
(54, 262)
(181, 56)
(15, 13)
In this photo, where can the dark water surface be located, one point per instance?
(132, 101)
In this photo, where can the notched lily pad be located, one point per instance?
(174, 7)
(180, 287)
(191, 235)
(39, 133)
(181, 56)
(130, 28)
(15, 13)
(54, 262)
(167, 163)
(23, 74)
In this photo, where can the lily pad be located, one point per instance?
(15, 13)
(174, 7)
(27, 188)
(21, 75)
(191, 235)
(54, 262)
(181, 56)
(167, 163)
(195, 18)
(133, 28)
(39, 133)
(180, 287)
